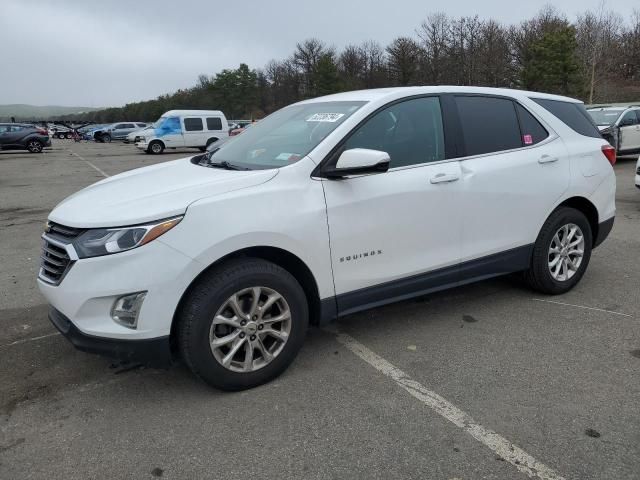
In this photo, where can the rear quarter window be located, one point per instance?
(574, 115)
(531, 129)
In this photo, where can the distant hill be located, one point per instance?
(30, 112)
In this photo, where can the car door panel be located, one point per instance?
(518, 172)
(630, 134)
(396, 234)
(392, 226)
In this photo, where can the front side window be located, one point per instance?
(489, 124)
(411, 132)
(629, 119)
(193, 124)
(284, 137)
(119, 126)
(168, 125)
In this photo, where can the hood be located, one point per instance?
(150, 193)
(604, 127)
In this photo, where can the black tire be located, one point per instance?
(202, 149)
(34, 146)
(156, 147)
(210, 293)
(539, 276)
(106, 138)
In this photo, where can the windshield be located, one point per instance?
(284, 137)
(605, 117)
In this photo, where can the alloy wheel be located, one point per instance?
(34, 146)
(250, 329)
(566, 252)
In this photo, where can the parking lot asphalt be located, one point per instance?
(488, 381)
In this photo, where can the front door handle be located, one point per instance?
(444, 178)
(547, 159)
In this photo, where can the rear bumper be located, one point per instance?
(154, 352)
(604, 229)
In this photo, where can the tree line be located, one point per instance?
(595, 58)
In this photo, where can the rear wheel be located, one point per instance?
(34, 146)
(155, 147)
(61, 136)
(561, 253)
(69, 136)
(242, 324)
(106, 138)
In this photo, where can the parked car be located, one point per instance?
(19, 136)
(620, 126)
(325, 208)
(638, 173)
(238, 130)
(116, 131)
(185, 128)
(136, 135)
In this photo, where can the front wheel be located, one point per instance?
(561, 253)
(155, 147)
(242, 324)
(106, 138)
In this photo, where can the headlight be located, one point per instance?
(105, 241)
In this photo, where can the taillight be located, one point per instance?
(42, 131)
(609, 152)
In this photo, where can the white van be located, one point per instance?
(185, 128)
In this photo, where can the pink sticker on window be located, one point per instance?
(528, 139)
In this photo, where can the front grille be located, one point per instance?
(67, 233)
(55, 260)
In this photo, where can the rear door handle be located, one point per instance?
(444, 178)
(547, 159)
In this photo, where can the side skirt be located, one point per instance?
(502, 263)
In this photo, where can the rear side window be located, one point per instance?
(488, 124)
(573, 115)
(193, 124)
(530, 128)
(129, 125)
(214, 123)
(141, 124)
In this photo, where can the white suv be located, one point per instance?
(325, 208)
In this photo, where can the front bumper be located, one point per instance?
(155, 352)
(142, 145)
(91, 286)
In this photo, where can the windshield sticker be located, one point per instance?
(288, 157)
(325, 117)
(528, 139)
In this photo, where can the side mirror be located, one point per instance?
(359, 161)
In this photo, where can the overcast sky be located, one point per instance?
(108, 53)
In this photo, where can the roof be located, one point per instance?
(192, 112)
(395, 92)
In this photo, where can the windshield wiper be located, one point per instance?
(226, 165)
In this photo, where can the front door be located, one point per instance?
(389, 230)
(629, 131)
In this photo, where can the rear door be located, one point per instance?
(513, 170)
(629, 131)
(194, 133)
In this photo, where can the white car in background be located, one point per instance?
(136, 135)
(185, 128)
(620, 126)
(638, 173)
(326, 207)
